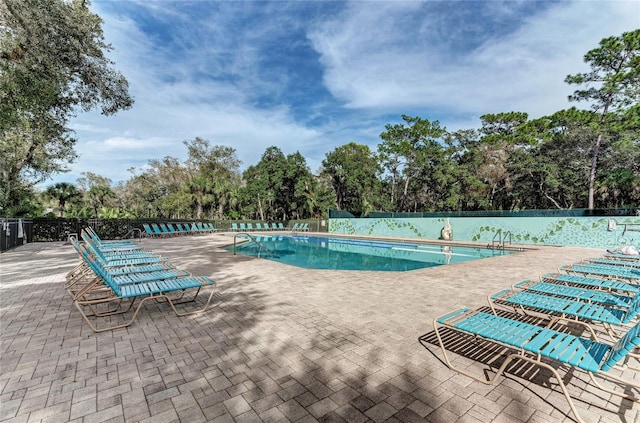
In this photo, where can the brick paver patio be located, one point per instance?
(278, 344)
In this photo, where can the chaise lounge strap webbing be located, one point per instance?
(160, 287)
(510, 332)
(625, 345)
(582, 294)
(125, 270)
(148, 277)
(132, 261)
(601, 283)
(604, 270)
(564, 306)
(614, 262)
(566, 348)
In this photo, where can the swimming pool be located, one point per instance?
(315, 252)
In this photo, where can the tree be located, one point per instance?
(502, 134)
(619, 184)
(297, 180)
(319, 197)
(613, 85)
(405, 151)
(265, 185)
(353, 170)
(62, 192)
(52, 63)
(218, 166)
(96, 190)
(200, 189)
(471, 190)
(548, 174)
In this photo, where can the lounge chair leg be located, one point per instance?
(560, 383)
(491, 381)
(123, 325)
(206, 306)
(500, 371)
(611, 391)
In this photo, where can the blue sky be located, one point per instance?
(310, 76)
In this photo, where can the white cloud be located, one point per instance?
(522, 71)
(122, 144)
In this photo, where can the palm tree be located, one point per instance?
(63, 192)
(199, 190)
(98, 195)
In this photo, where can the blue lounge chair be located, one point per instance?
(154, 290)
(148, 231)
(111, 250)
(281, 226)
(577, 293)
(165, 230)
(156, 229)
(184, 228)
(141, 262)
(259, 226)
(604, 284)
(274, 226)
(565, 308)
(243, 227)
(592, 269)
(304, 227)
(250, 226)
(109, 243)
(613, 262)
(294, 228)
(173, 229)
(91, 237)
(122, 256)
(532, 343)
(234, 227)
(113, 286)
(180, 229)
(612, 255)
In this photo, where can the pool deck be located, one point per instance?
(279, 344)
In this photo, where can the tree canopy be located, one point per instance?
(612, 85)
(52, 64)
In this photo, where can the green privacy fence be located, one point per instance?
(611, 230)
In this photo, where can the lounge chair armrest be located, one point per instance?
(204, 280)
(522, 284)
(499, 294)
(451, 315)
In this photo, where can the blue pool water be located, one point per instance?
(314, 252)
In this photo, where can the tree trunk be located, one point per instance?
(596, 151)
(404, 194)
(260, 209)
(592, 173)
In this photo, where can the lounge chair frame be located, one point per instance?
(517, 344)
(152, 291)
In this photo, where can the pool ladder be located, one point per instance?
(501, 240)
(252, 238)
